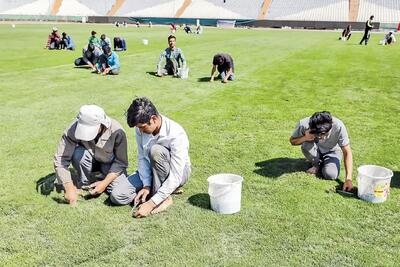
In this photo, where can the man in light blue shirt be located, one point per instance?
(108, 62)
(163, 158)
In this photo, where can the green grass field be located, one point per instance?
(287, 218)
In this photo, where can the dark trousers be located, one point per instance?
(366, 36)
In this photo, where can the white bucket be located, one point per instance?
(145, 41)
(183, 73)
(225, 192)
(373, 183)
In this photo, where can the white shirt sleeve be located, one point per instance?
(179, 153)
(144, 166)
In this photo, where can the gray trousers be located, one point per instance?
(160, 160)
(327, 163)
(84, 163)
(171, 67)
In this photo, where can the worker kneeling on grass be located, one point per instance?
(323, 139)
(224, 64)
(94, 143)
(90, 56)
(163, 158)
(174, 59)
(108, 62)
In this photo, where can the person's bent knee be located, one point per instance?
(330, 173)
(158, 152)
(121, 198)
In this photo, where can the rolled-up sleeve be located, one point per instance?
(144, 166)
(63, 155)
(120, 162)
(179, 154)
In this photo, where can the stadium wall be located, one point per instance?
(321, 25)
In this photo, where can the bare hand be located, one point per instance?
(144, 209)
(348, 185)
(308, 136)
(97, 188)
(142, 195)
(71, 193)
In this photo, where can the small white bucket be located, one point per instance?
(225, 192)
(183, 73)
(373, 183)
(145, 41)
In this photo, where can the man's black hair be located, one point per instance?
(320, 123)
(372, 17)
(140, 111)
(103, 36)
(106, 49)
(91, 47)
(171, 36)
(219, 59)
(64, 34)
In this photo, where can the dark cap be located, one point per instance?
(93, 32)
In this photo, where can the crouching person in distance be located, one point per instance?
(323, 138)
(108, 62)
(94, 142)
(163, 157)
(224, 64)
(90, 56)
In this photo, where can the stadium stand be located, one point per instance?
(353, 9)
(229, 9)
(140, 8)
(386, 11)
(115, 7)
(264, 9)
(26, 7)
(74, 7)
(313, 10)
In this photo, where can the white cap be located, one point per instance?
(90, 118)
(55, 29)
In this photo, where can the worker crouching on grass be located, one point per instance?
(90, 56)
(93, 143)
(163, 158)
(108, 62)
(224, 64)
(323, 139)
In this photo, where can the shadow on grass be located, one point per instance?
(274, 168)
(46, 184)
(395, 182)
(152, 73)
(201, 200)
(204, 79)
(84, 67)
(338, 189)
(60, 200)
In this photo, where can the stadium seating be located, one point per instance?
(314, 10)
(386, 11)
(383, 10)
(26, 7)
(141, 8)
(75, 8)
(230, 9)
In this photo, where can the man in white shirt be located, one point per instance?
(163, 157)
